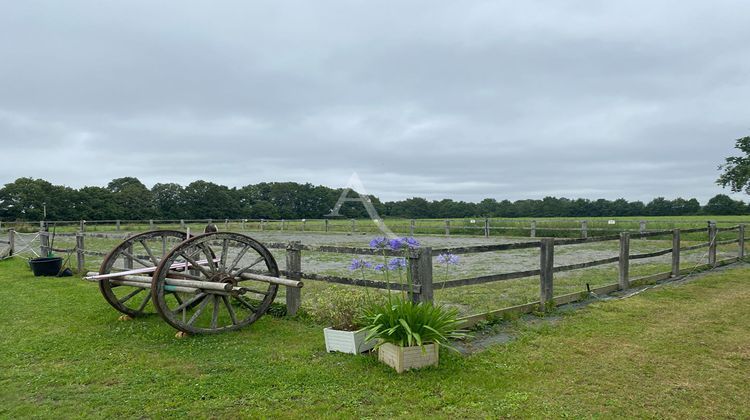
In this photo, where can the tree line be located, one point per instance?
(129, 199)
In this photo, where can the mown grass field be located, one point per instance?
(676, 351)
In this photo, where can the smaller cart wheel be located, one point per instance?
(144, 250)
(220, 257)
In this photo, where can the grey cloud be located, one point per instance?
(463, 100)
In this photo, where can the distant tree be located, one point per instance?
(208, 200)
(25, 198)
(133, 200)
(659, 206)
(96, 203)
(169, 201)
(724, 205)
(736, 169)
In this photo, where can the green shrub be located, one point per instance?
(404, 323)
(340, 308)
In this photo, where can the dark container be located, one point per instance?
(46, 266)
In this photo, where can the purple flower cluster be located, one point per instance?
(395, 244)
(359, 263)
(397, 264)
(379, 242)
(448, 259)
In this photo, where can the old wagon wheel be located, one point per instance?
(144, 250)
(228, 258)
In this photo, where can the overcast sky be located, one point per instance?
(461, 100)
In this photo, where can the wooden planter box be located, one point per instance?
(352, 342)
(405, 358)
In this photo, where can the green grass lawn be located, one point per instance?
(675, 351)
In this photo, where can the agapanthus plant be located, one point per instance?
(447, 259)
(383, 244)
(405, 323)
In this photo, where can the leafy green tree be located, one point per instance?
(133, 200)
(25, 198)
(96, 203)
(169, 201)
(208, 200)
(736, 169)
(722, 204)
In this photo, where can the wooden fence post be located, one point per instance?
(533, 229)
(44, 241)
(304, 222)
(326, 225)
(420, 268)
(712, 244)
(41, 225)
(226, 225)
(546, 264)
(262, 225)
(447, 227)
(150, 224)
(624, 268)
(741, 253)
(243, 224)
(82, 228)
(80, 256)
(293, 272)
(584, 229)
(354, 225)
(412, 222)
(11, 242)
(675, 252)
(486, 227)
(117, 225)
(642, 227)
(282, 224)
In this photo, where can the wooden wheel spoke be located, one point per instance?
(224, 251)
(215, 314)
(198, 312)
(177, 298)
(245, 303)
(209, 258)
(130, 295)
(242, 270)
(196, 265)
(163, 246)
(136, 259)
(144, 303)
(189, 302)
(238, 258)
(230, 309)
(148, 251)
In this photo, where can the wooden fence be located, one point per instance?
(474, 227)
(420, 264)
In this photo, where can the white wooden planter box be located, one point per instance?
(347, 341)
(405, 358)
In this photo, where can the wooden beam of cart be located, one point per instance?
(205, 285)
(146, 270)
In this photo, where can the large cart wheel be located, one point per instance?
(221, 258)
(145, 250)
